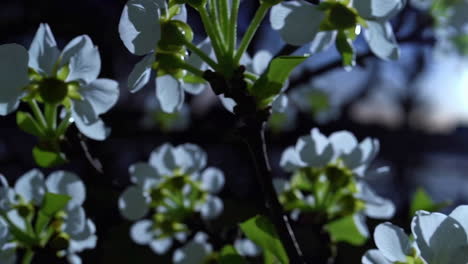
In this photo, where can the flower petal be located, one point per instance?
(193, 252)
(212, 208)
(102, 94)
(63, 182)
(83, 59)
(374, 256)
(314, 150)
(161, 246)
(141, 73)
(381, 40)
(280, 104)
(261, 60)
(163, 159)
(132, 204)
(376, 206)
(85, 240)
(378, 9)
(144, 175)
(290, 160)
(190, 157)
(31, 186)
(43, 52)
(8, 255)
(182, 15)
(141, 232)
(439, 237)
(212, 180)
(13, 76)
(169, 93)
(245, 247)
(87, 120)
(139, 26)
(75, 223)
(392, 242)
(289, 19)
(322, 41)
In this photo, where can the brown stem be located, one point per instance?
(255, 139)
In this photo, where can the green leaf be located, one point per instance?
(346, 49)
(272, 80)
(269, 258)
(28, 124)
(345, 230)
(229, 255)
(422, 201)
(48, 159)
(262, 232)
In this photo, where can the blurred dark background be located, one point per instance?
(417, 108)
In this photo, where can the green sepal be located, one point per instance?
(272, 80)
(229, 255)
(261, 231)
(346, 49)
(47, 159)
(28, 124)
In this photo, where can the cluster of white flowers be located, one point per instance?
(374, 15)
(27, 196)
(436, 239)
(171, 171)
(68, 77)
(342, 150)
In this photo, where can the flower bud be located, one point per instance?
(24, 210)
(174, 34)
(60, 241)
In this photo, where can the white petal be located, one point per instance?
(310, 150)
(139, 26)
(102, 94)
(193, 252)
(85, 240)
(381, 40)
(141, 73)
(190, 157)
(212, 180)
(439, 237)
(31, 186)
(4, 233)
(376, 206)
(63, 182)
(161, 246)
(227, 102)
(460, 214)
(261, 60)
(280, 185)
(392, 241)
(280, 104)
(83, 59)
(360, 222)
(245, 247)
(343, 142)
(378, 9)
(74, 259)
(163, 159)
(212, 208)
(13, 76)
(144, 175)
(322, 41)
(196, 61)
(87, 120)
(43, 52)
(75, 223)
(132, 204)
(290, 160)
(374, 256)
(182, 15)
(297, 21)
(194, 88)
(141, 232)
(169, 93)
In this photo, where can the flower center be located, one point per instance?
(53, 91)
